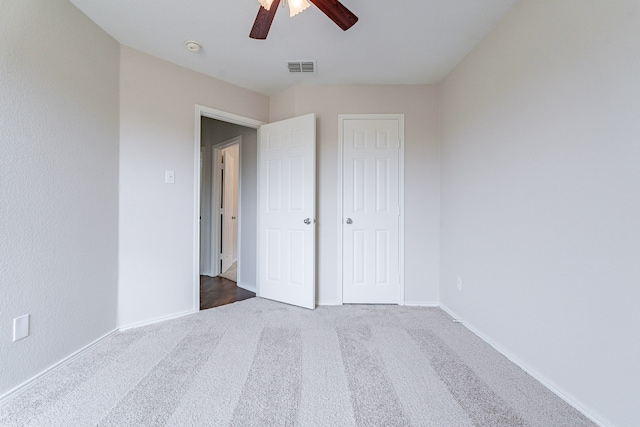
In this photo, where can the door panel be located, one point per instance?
(286, 247)
(371, 204)
(273, 255)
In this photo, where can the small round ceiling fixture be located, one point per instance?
(193, 45)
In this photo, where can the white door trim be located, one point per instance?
(204, 111)
(341, 119)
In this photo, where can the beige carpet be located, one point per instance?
(261, 363)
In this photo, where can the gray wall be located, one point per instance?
(541, 197)
(419, 104)
(158, 221)
(59, 76)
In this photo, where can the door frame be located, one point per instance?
(340, 219)
(212, 113)
(216, 187)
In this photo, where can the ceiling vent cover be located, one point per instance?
(302, 66)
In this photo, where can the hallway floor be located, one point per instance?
(217, 291)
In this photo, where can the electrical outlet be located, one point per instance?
(459, 283)
(20, 327)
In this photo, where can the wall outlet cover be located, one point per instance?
(20, 327)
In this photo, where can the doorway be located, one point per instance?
(225, 154)
(220, 206)
(292, 134)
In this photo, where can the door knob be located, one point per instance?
(349, 221)
(307, 221)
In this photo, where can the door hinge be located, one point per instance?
(221, 257)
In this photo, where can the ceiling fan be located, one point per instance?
(335, 10)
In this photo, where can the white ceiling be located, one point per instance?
(394, 41)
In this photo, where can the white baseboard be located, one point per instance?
(156, 320)
(422, 304)
(247, 287)
(31, 381)
(408, 304)
(327, 303)
(582, 408)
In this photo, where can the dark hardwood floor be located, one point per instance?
(217, 291)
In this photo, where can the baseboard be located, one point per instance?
(539, 377)
(247, 287)
(408, 304)
(422, 304)
(25, 385)
(325, 302)
(156, 320)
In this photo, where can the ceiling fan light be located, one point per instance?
(297, 6)
(266, 3)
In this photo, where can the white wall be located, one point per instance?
(419, 105)
(58, 184)
(157, 220)
(214, 132)
(541, 197)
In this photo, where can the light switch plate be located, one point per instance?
(20, 327)
(169, 177)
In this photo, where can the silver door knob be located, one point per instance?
(349, 221)
(307, 221)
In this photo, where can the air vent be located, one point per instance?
(302, 66)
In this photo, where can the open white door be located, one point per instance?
(230, 207)
(286, 211)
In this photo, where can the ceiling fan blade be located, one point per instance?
(263, 21)
(337, 13)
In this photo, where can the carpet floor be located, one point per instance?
(261, 363)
